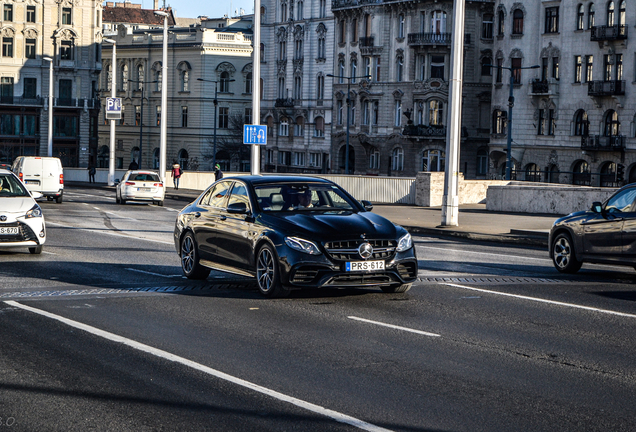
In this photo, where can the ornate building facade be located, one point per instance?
(296, 54)
(574, 118)
(397, 104)
(68, 32)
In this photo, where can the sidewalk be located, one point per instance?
(475, 222)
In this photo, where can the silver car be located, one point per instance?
(140, 185)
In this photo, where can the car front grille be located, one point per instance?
(362, 279)
(305, 274)
(347, 250)
(26, 233)
(407, 270)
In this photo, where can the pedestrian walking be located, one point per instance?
(218, 174)
(176, 175)
(91, 173)
(133, 165)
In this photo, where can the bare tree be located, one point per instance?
(230, 142)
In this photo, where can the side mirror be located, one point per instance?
(36, 195)
(237, 208)
(597, 207)
(367, 205)
(117, 181)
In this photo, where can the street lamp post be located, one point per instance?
(164, 97)
(348, 110)
(511, 102)
(50, 131)
(141, 116)
(216, 103)
(113, 83)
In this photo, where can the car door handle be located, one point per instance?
(197, 214)
(222, 217)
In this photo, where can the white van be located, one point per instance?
(41, 174)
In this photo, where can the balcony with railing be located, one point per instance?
(608, 33)
(603, 143)
(343, 4)
(430, 131)
(539, 87)
(22, 101)
(284, 103)
(421, 39)
(606, 88)
(366, 42)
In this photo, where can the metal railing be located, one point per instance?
(603, 143)
(430, 38)
(20, 100)
(606, 33)
(425, 131)
(284, 102)
(606, 88)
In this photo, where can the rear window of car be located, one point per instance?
(11, 186)
(144, 177)
(287, 197)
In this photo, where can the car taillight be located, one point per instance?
(20, 175)
(130, 183)
(61, 178)
(158, 184)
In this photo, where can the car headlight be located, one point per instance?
(404, 243)
(35, 211)
(302, 245)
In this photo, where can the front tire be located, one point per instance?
(160, 203)
(190, 259)
(58, 199)
(36, 250)
(563, 254)
(397, 289)
(268, 274)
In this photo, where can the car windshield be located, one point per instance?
(10, 186)
(144, 177)
(281, 197)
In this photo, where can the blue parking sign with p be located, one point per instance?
(113, 108)
(255, 134)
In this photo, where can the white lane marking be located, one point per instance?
(540, 300)
(485, 253)
(342, 418)
(95, 231)
(153, 274)
(394, 326)
(50, 253)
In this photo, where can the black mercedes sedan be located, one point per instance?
(292, 233)
(605, 234)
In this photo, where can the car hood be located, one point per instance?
(16, 205)
(576, 216)
(335, 225)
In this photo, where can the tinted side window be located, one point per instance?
(239, 195)
(219, 193)
(621, 202)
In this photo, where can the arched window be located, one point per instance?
(400, 26)
(224, 86)
(612, 125)
(374, 158)
(183, 159)
(399, 68)
(517, 22)
(298, 88)
(433, 160)
(319, 130)
(486, 70)
(140, 77)
(109, 77)
(158, 78)
(299, 127)
(248, 83)
(281, 88)
(501, 21)
(580, 17)
(581, 124)
(343, 159)
(341, 71)
(608, 174)
(283, 12)
(581, 173)
(134, 155)
(499, 122)
(283, 127)
(590, 16)
(299, 10)
(320, 87)
(124, 78)
(185, 80)
(103, 156)
(397, 159)
(435, 113)
(621, 13)
(354, 70)
(553, 174)
(482, 162)
(610, 13)
(322, 9)
(532, 173)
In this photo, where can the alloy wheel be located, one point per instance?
(187, 254)
(265, 270)
(562, 252)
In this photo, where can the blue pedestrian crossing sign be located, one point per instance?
(255, 134)
(113, 108)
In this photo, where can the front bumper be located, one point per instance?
(30, 234)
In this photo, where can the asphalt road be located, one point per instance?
(101, 332)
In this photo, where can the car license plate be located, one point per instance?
(32, 182)
(353, 266)
(144, 189)
(9, 230)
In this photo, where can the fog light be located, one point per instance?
(42, 234)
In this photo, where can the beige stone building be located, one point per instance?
(216, 50)
(573, 116)
(69, 33)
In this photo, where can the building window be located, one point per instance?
(319, 130)
(284, 158)
(66, 50)
(247, 116)
(7, 47)
(374, 158)
(137, 115)
(30, 14)
(515, 63)
(437, 66)
(501, 21)
(397, 159)
(320, 87)
(184, 116)
(298, 49)
(354, 70)
(551, 122)
(314, 159)
(398, 113)
(225, 82)
(608, 66)
(589, 68)
(67, 16)
(433, 160)
(367, 66)
(299, 127)
(486, 69)
(590, 16)
(400, 26)
(322, 48)
(281, 88)
(122, 120)
(224, 117)
(552, 20)
(282, 50)
(399, 69)
(581, 124)
(482, 162)
(580, 17)
(158, 114)
(378, 67)
(30, 87)
(339, 109)
(435, 113)
(322, 9)
(341, 71)
(283, 12)
(517, 22)
(299, 10)
(618, 59)
(366, 112)
(185, 81)
(578, 69)
(610, 13)
(486, 26)
(621, 13)
(499, 122)
(342, 30)
(555, 68)
(8, 12)
(158, 78)
(248, 83)
(354, 30)
(124, 77)
(298, 88)
(298, 159)
(29, 48)
(283, 128)
(499, 75)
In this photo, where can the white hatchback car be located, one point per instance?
(21, 218)
(140, 185)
